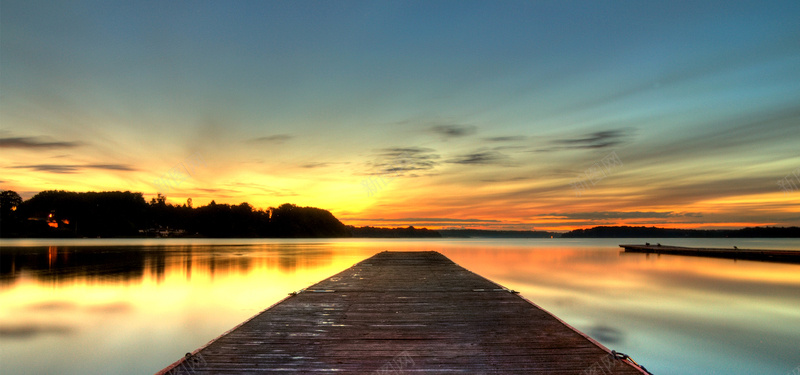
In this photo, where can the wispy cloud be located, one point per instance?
(322, 164)
(35, 143)
(110, 167)
(509, 179)
(595, 140)
(315, 165)
(442, 220)
(217, 191)
(275, 138)
(73, 168)
(690, 192)
(621, 215)
(505, 138)
(401, 160)
(453, 130)
(480, 158)
(774, 130)
(601, 139)
(52, 168)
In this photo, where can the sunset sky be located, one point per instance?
(490, 114)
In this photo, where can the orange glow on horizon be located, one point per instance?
(554, 227)
(466, 208)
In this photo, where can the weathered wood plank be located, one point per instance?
(404, 312)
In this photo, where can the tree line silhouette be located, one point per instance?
(58, 213)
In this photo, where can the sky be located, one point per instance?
(520, 115)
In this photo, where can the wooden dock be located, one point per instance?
(404, 313)
(782, 256)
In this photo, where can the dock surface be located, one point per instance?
(404, 313)
(782, 256)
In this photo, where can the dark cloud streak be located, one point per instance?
(315, 165)
(596, 140)
(453, 130)
(429, 220)
(110, 167)
(73, 168)
(480, 158)
(622, 215)
(276, 138)
(509, 179)
(35, 143)
(402, 160)
(505, 138)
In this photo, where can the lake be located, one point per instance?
(133, 306)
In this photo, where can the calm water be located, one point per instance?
(135, 306)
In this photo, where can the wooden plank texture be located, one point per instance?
(404, 313)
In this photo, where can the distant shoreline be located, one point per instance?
(596, 232)
(118, 214)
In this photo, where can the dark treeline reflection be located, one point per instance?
(125, 264)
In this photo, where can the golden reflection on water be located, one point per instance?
(146, 304)
(135, 309)
(732, 317)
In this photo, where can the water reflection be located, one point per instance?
(126, 264)
(135, 307)
(683, 315)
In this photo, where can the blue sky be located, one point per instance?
(483, 112)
